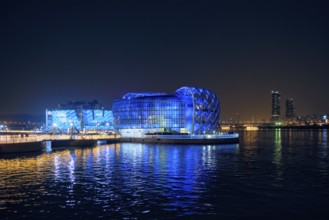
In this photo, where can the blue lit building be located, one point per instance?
(83, 116)
(189, 110)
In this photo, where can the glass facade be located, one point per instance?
(205, 109)
(190, 109)
(81, 119)
(164, 111)
(81, 115)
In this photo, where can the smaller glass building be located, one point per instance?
(189, 110)
(83, 116)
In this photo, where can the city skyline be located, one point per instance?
(53, 52)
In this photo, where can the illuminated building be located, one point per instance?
(290, 109)
(276, 110)
(81, 115)
(189, 110)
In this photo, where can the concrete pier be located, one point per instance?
(73, 143)
(30, 143)
(21, 147)
(184, 139)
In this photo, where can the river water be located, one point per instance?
(271, 174)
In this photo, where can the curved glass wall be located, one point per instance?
(191, 109)
(205, 110)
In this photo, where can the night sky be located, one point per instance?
(54, 51)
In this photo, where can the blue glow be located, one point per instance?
(193, 109)
(205, 108)
(133, 95)
(82, 119)
(149, 112)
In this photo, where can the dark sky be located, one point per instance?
(54, 51)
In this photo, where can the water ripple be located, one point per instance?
(268, 173)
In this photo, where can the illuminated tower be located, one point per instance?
(290, 109)
(276, 111)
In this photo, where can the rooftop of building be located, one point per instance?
(94, 104)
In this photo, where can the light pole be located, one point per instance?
(54, 128)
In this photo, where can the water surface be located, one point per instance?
(272, 174)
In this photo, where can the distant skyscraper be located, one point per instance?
(290, 108)
(276, 111)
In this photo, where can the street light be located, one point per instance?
(54, 128)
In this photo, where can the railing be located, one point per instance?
(79, 137)
(8, 139)
(38, 138)
(205, 136)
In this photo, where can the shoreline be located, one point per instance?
(295, 127)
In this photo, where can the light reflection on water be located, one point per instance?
(278, 152)
(260, 177)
